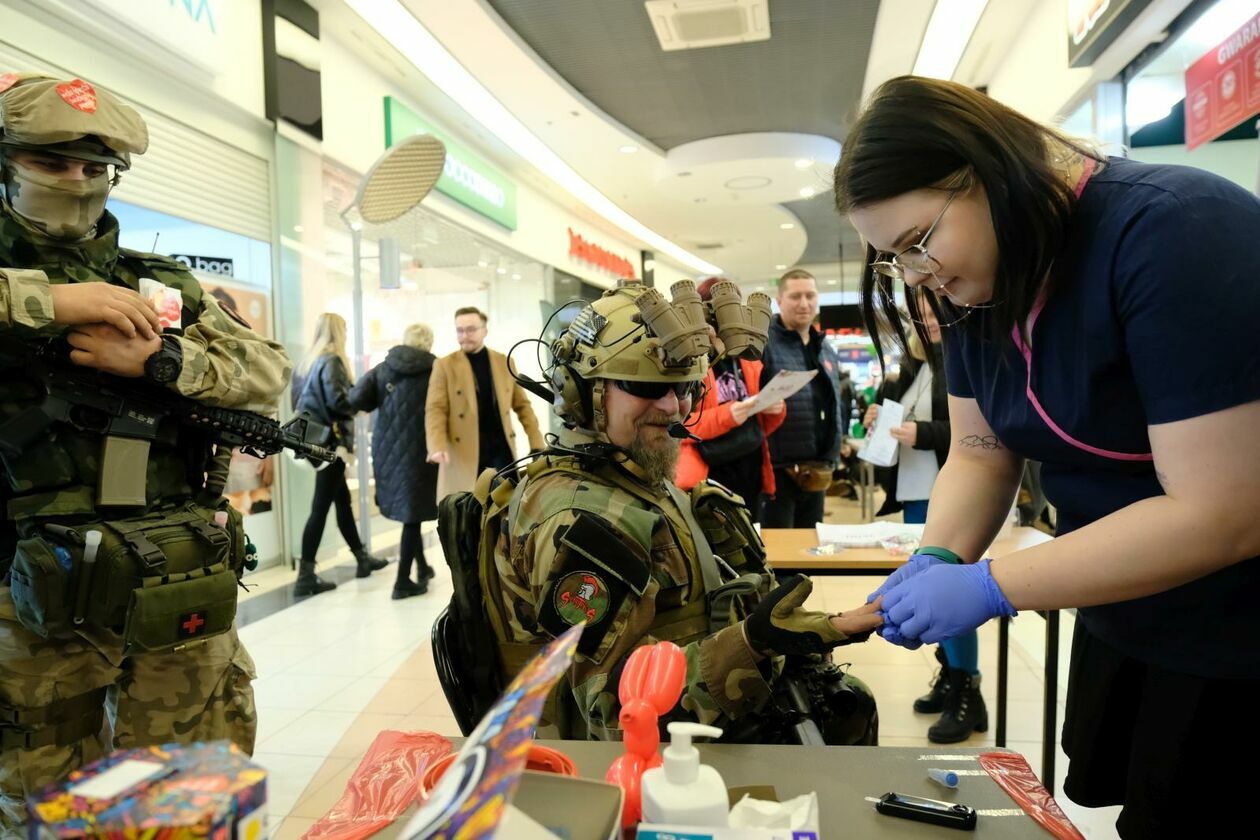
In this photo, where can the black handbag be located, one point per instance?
(735, 444)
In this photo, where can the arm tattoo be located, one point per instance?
(981, 442)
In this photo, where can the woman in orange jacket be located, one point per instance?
(730, 453)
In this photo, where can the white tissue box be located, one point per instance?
(649, 831)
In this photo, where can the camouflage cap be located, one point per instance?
(69, 117)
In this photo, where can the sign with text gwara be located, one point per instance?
(585, 251)
(1223, 87)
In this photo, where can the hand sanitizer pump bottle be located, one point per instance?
(682, 791)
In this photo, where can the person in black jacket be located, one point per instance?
(321, 386)
(806, 448)
(406, 483)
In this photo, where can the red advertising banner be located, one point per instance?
(1223, 87)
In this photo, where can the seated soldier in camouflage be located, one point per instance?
(595, 531)
(72, 651)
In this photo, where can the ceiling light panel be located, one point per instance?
(948, 33)
(695, 24)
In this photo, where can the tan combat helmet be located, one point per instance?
(633, 334)
(68, 117)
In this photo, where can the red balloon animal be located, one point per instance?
(651, 684)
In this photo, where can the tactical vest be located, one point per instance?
(165, 573)
(710, 516)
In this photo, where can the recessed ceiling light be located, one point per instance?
(356, 226)
(761, 288)
(807, 192)
(482, 264)
(804, 163)
(786, 226)
(628, 149)
(297, 228)
(518, 277)
(501, 270)
(780, 268)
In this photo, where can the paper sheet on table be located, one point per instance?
(785, 384)
(881, 447)
(869, 535)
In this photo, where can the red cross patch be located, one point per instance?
(7, 81)
(191, 624)
(78, 95)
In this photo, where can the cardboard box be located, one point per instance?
(546, 807)
(172, 791)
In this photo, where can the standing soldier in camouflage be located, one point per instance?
(596, 532)
(89, 660)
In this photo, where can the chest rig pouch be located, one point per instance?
(160, 580)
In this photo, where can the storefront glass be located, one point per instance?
(237, 271)
(444, 267)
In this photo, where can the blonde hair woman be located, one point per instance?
(321, 386)
(406, 483)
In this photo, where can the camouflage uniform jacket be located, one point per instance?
(224, 363)
(607, 548)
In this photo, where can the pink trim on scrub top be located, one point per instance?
(1026, 350)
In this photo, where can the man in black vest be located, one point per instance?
(805, 448)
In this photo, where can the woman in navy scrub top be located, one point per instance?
(1103, 318)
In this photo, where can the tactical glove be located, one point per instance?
(779, 627)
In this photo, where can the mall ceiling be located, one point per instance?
(807, 78)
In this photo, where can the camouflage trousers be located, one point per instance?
(200, 693)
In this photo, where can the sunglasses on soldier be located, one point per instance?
(656, 390)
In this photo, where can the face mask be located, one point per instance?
(60, 207)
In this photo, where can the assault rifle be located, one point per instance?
(810, 704)
(131, 413)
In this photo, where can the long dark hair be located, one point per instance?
(919, 133)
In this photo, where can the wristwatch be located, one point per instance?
(163, 367)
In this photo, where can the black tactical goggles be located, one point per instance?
(656, 390)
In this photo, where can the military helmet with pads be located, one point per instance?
(68, 117)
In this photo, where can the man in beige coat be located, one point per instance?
(467, 415)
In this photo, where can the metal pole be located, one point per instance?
(360, 421)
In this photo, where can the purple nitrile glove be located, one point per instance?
(944, 602)
(917, 563)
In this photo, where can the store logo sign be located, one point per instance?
(580, 249)
(466, 177)
(210, 265)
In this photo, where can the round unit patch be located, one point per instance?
(581, 598)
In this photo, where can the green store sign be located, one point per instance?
(466, 178)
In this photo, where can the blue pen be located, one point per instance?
(948, 778)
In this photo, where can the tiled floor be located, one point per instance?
(335, 670)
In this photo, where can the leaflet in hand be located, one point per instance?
(881, 447)
(785, 384)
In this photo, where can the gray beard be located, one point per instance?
(659, 462)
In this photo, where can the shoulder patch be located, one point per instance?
(595, 572)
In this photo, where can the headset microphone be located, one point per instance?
(678, 430)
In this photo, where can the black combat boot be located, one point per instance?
(964, 711)
(367, 563)
(934, 701)
(309, 583)
(409, 589)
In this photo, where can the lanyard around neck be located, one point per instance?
(1025, 348)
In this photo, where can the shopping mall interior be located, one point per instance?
(572, 148)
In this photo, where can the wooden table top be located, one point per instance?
(788, 548)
